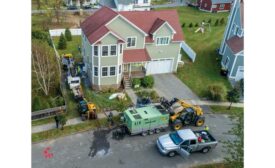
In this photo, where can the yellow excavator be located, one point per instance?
(182, 113)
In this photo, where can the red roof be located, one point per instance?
(236, 44)
(148, 21)
(136, 55)
(159, 22)
(94, 26)
(145, 20)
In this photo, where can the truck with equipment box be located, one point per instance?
(145, 120)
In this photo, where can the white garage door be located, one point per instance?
(239, 74)
(159, 66)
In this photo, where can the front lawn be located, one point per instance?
(206, 69)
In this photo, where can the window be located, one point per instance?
(104, 71)
(120, 48)
(136, 1)
(233, 27)
(131, 41)
(95, 71)
(119, 69)
(112, 71)
(113, 49)
(236, 31)
(226, 62)
(145, 1)
(185, 143)
(221, 6)
(162, 40)
(193, 142)
(104, 50)
(95, 50)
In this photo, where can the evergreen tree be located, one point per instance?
(217, 22)
(190, 25)
(183, 25)
(233, 96)
(68, 34)
(62, 44)
(222, 21)
(209, 21)
(196, 25)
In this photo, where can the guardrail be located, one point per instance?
(41, 114)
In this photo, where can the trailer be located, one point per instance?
(145, 120)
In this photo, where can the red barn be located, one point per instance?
(214, 5)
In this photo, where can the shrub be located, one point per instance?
(222, 21)
(62, 44)
(143, 94)
(136, 82)
(233, 96)
(112, 90)
(154, 95)
(216, 92)
(190, 25)
(209, 21)
(36, 104)
(183, 25)
(68, 34)
(41, 35)
(216, 23)
(60, 101)
(148, 81)
(196, 25)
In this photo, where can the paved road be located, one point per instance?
(97, 149)
(169, 86)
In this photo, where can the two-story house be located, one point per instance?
(128, 44)
(132, 5)
(232, 44)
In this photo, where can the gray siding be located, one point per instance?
(228, 53)
(239, 62)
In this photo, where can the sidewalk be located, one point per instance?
(213, 103)
(73, 121)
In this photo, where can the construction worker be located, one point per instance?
(206, 128)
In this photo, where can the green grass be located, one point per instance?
(159, 2)
(206, 69)
(55, 133)
(224, 110)
(212, 165)
(72, 47)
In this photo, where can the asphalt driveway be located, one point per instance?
(97, 149)
(169, 86)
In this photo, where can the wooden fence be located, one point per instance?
(41, 114)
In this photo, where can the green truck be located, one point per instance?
(145, 120)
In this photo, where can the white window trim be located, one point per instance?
(116, 49)
(110, 71)
(102, 71)
(135, 37)
(102, 50)
(162, 37)
(97, 50)
(97, 71)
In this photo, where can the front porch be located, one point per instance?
(134, 70)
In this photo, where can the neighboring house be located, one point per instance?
(120, 45)
(232, 44)
(214, 5)
(132, 5)
(77, 2)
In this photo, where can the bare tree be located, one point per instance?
(44, 66)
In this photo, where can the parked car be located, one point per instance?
(185, 141)
(72, 7)
(87, 7)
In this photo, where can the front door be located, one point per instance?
(125, 67)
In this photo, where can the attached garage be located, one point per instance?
(159, 66)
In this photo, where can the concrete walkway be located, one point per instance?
(73, 121)
(130, 92)
(213, 103)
